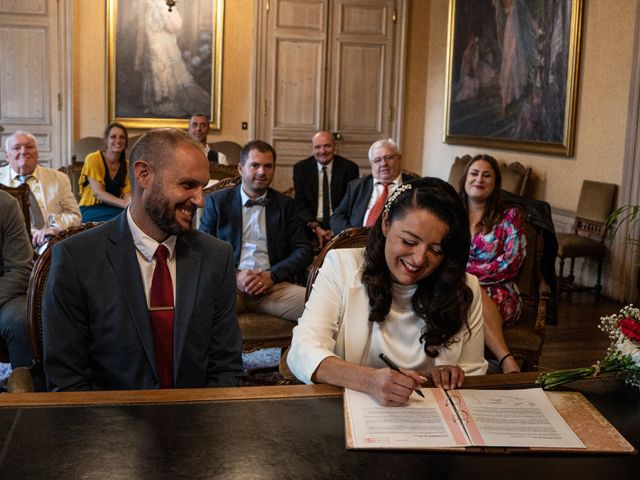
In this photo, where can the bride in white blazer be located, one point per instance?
(406, 295)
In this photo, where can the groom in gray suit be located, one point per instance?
(144, 301)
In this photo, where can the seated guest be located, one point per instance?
(144, 301)
(16, 260)
(365, 196)
(320, 182)
(406, 294)
(498, 248)
(105, 188)
(270, 246)
(199, 129)
(53, 207)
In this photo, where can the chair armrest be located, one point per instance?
(544, 292)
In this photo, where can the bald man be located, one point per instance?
(317, 197)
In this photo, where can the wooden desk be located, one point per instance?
(261, 432)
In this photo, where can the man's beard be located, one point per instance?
(159, 210)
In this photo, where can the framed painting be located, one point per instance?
(165, 63)
(512, 74)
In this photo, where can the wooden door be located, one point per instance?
(327, 65)
(362, 75)
(31, 68)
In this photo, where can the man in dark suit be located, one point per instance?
(270, 246)
(143, 301)
(16, 261)
(320, 182)
(199, 129)
(365, 197)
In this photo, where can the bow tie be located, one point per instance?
(260, 202)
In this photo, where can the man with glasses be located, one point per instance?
(365, 197)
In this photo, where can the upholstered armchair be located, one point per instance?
(589, 232)
(231, 150)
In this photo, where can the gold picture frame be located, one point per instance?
(524, 99)
(164, 65)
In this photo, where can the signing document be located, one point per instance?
(458, 418)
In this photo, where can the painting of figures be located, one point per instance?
(512, 73)
(164, 64)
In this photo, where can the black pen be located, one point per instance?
(393, 366)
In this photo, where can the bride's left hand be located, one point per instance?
(448, 377)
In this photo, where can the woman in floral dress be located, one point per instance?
(498, 248)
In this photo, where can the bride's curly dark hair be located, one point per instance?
(443, 298)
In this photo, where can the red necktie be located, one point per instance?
(161, 309)
(375, 211)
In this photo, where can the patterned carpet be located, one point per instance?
(266, 359)
(5, 370)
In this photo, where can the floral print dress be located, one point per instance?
(495, 258)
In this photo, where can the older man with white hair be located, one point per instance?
(53, 206)
(365, 197)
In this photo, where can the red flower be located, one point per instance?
(630, 329)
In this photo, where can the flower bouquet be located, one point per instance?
(623, 356)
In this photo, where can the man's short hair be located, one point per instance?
(385, 142)
(199, 115)
(158, 146)
(260, 146)
(16, 133)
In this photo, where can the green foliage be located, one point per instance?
(628, 215)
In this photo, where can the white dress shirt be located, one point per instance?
(378, 188)
(254, 253)
(320, 193)
(222, 158)
(145, 249)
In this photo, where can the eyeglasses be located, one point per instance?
(386, 158)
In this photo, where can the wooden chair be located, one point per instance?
(526, 338)
(220, 172)
(35, 292)
(589, 232)
(73, 171)
(355, 237)
(84, 146)
(21, 194)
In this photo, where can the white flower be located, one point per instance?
(629, 348)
